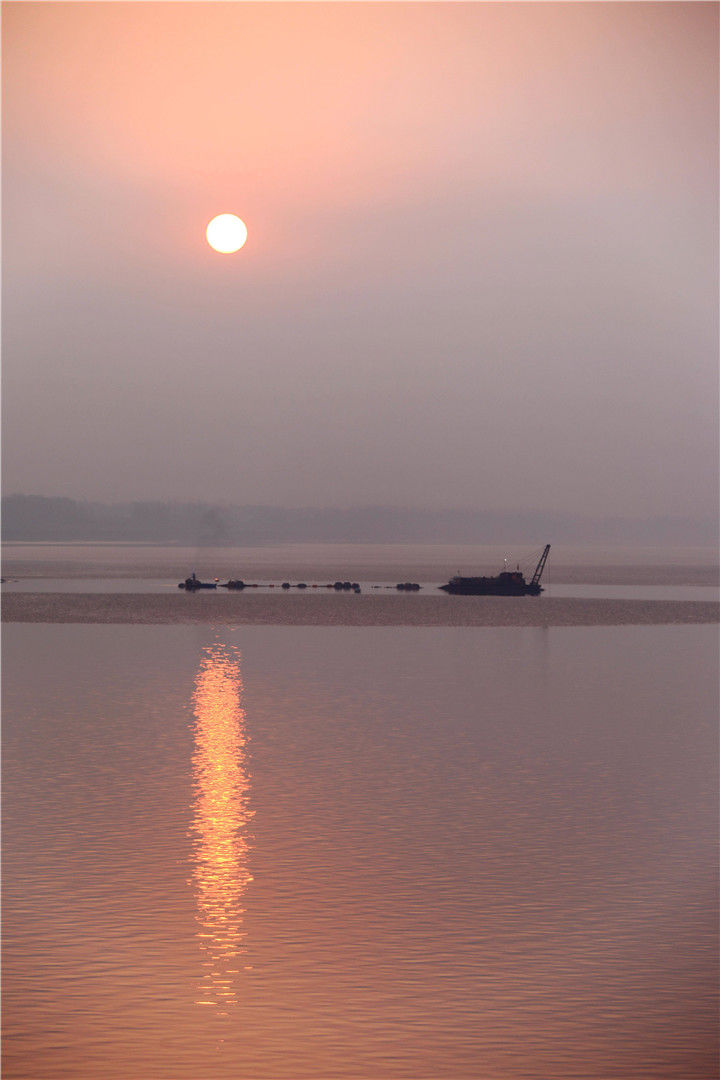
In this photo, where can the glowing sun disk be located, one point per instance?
(226, 233)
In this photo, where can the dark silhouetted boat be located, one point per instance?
(507, 583)
(193, 583)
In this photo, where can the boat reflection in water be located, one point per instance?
(221, 814)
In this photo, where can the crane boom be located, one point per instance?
(540, 566)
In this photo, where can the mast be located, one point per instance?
(540, 566)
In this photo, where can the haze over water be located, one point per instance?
(481, 267)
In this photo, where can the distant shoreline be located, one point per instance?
(340, 610)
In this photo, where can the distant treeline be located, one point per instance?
(39, 518)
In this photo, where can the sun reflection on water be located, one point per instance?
(221, 814)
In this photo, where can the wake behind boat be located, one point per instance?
(507, 583)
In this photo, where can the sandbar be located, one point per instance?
(348, 610)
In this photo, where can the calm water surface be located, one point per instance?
(278, 852)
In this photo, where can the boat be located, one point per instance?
(192, 583)
(507, 583)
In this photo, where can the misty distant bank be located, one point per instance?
(39, 518)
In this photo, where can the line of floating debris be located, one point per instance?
(408, 586)
(236, 583)
(193, 583)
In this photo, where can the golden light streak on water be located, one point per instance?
(221, 814)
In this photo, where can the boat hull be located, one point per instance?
(487, 587)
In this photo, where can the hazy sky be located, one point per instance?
(481, 268)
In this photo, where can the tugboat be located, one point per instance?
(193, 583)
(507, 583)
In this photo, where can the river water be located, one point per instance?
(284, 853)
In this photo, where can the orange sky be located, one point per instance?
(480, 192)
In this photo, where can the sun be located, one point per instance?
(226, 233)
